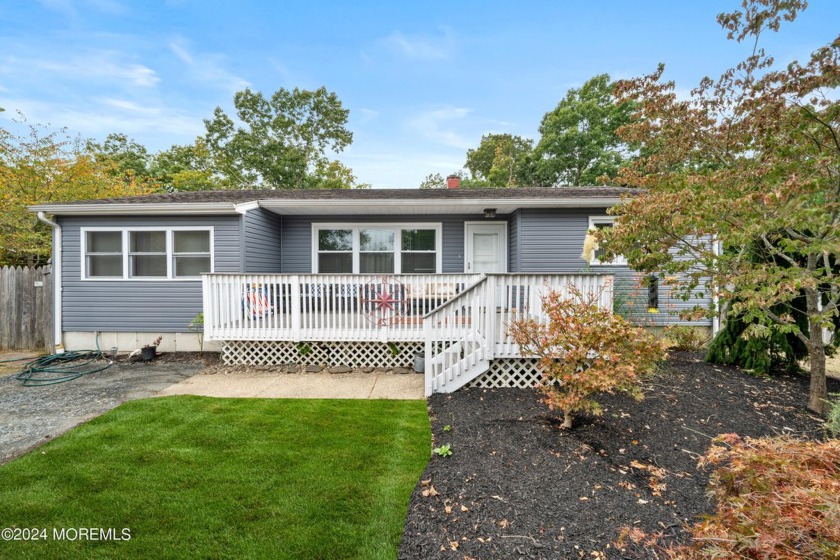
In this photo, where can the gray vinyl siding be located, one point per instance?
(551, 240)
(296, 237)
(261, 241)
(134, 305)
(514, 260)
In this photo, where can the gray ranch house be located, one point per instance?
(363, 278)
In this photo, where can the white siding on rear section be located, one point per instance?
(134, 305)
(552, 241)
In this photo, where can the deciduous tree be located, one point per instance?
(751, 160)
(433, 181)
(498, 159)
(280, 142)
(41, 165)
(578, 143)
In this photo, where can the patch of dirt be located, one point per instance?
(208, 359)
(517, 486)
(11, 361)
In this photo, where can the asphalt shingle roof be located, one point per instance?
(240, 196)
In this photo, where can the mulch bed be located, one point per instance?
(517, 486)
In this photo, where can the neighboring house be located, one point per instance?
(359, 277)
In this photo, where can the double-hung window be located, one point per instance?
(377, 248)
(104, 254)
(146, 253)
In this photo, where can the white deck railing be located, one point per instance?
(324, 307)
(375, 307)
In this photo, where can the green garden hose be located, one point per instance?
(60, 368)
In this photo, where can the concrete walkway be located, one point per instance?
(301, 386)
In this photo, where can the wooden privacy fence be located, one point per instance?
(26, 308)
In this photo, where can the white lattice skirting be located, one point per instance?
(518, 373)
(351, 354)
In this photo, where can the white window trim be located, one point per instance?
(170, 253)
(619, 260)
(398, 227)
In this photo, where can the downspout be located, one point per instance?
(56, 272)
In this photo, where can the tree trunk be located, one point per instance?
(567, 418)
(818, 392)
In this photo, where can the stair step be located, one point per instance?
(442, 384)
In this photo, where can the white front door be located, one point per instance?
(486, 247)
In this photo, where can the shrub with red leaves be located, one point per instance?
(777, 498)
(585, 349)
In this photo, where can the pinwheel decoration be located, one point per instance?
(383, 301)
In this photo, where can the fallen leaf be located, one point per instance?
(448, 509)
(430, 492)
(464, 508)
(504, 523)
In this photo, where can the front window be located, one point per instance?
(377, 249)
(335, 250)
(191, 254)
(419, 250)
(104, 257)
(146, 254)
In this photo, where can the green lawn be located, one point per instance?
(195, 477)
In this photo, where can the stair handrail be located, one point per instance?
(429, 328)
(463, 293)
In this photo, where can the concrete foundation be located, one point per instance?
(128, 341)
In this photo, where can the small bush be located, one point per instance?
(777, 498)
(685, 338)
(583, 350)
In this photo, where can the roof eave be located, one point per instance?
(445, 206)
(300, 206)
(133, 209)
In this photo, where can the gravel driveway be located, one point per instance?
(30, 416)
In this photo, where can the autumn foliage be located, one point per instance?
(583, 350)
(750, 160)
(38, 166)
(777, 498)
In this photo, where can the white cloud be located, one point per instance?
(129, 106)
(153, 124)
(207, 68)
(100, 66)
(419, 47)
(367, 115)
(441, 124)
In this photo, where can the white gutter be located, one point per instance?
(56, 272)
(159, 208)
(443, 204)
(288, 206)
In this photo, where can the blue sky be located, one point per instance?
(423, 81)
